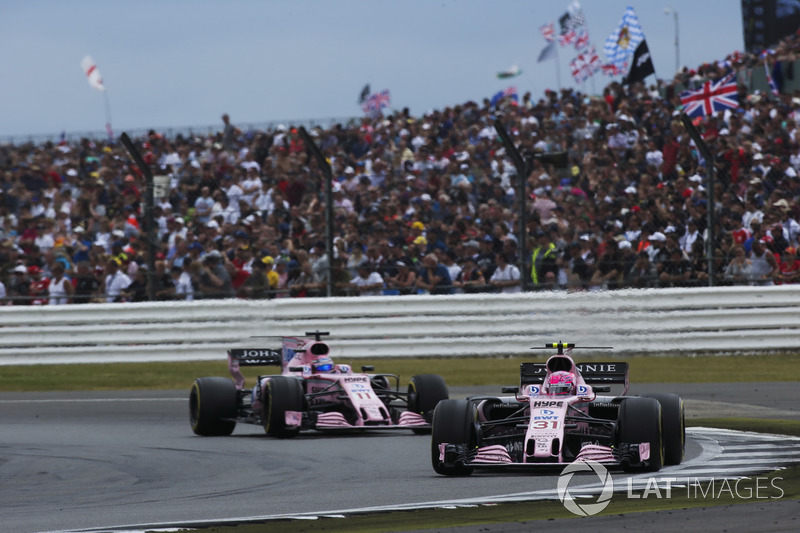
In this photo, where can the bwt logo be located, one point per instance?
(585, 509)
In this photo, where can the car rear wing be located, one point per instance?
(238, 357)
(256, 356)
(611, 373)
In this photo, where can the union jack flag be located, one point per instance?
(772, 85)
(582, 40)
(548, 32)
(377, 101)
(509, 92)
(610, 69)
(735, 57)
(567, 38)
(711, 97)
(585, 65)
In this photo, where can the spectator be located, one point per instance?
(60, 288)
(182, 279)
(543, 262)
(676, 270)
(505, 277)
(470, 280)
(214, 282)
(763, 265)
(579, 274)
(229, 134)
(404, 281)
(19, 286)
(367, 282)
(115, 281)
(737, 270)
(137, 290)
(257, 285)
(610, 269)
(86, 284)
(38, 285)
(203, 206)
(163, 286)
(642, 274)
(433, 277)
(447, 258)
(789, 266)
(306, 283)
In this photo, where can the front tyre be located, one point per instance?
(640, 421)
(212, 406)
(282, 394)
(673, 425)
(453, 423)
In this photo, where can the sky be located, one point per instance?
(183, 63)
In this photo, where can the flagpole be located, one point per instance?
(558, 71)
(108, 116)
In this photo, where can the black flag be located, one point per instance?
(364, 94)
(642, 65)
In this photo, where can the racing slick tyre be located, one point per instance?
(673, 426)
(424, 392)
(282, 394)
(640, 421)
(453, 423)
(212, 407)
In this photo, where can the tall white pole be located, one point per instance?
(667, 11)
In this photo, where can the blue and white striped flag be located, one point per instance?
(622, 42)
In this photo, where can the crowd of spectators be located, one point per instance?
(423, 204)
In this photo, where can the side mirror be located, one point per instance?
(604, 388)
(367, 368)
(295, 368)
(510, 390)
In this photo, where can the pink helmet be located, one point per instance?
(561, 384)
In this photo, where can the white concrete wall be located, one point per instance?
(660, 321)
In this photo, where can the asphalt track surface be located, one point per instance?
(71, 461)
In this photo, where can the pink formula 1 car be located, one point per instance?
(556, 417)
(312, 392)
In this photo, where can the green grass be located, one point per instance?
(456, 371)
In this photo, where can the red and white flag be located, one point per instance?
(92, 73)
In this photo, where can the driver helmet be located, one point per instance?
(561, 384)
(322, 364)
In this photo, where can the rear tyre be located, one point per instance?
(424, 392)
(212, 407)
(640, 421)
(282, 394)
(673, 426)
(453, 423)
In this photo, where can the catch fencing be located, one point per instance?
(722, 320)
